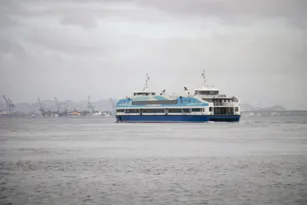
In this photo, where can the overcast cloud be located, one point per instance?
(70, 49)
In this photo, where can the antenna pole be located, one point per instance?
(146, 82)
(204, 77)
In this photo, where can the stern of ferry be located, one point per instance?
(225, 110)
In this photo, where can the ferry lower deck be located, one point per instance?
(203, 114)
(177, 118)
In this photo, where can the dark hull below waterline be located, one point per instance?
(178, 118)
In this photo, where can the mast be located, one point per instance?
(204, 78)
(146, 83)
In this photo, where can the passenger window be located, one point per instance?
(186, 110)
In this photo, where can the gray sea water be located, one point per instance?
(260, 160)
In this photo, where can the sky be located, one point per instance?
(256, 50)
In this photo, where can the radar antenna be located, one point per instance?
(146, 83)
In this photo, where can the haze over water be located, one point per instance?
(261, 160)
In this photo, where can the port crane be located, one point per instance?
(59, 107)
(90, 106)
(41, 107)
(113, 106)
(112, 103)
(10, 105)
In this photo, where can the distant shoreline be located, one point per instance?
(273, 110)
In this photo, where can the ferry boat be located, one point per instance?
(205, 104)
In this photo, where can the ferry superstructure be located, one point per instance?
(205, 104)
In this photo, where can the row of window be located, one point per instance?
(217, 110)
(222, 100)
(143, 93)
(200, 92)
(188, 101)
(155, 102)
(223, 111)
(160, 110)
(218, 102)
(161, 102)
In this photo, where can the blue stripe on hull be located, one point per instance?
(178, 118)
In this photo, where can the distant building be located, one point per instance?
(74, 113)
(3, 112)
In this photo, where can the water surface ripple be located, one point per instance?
(261, 160)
